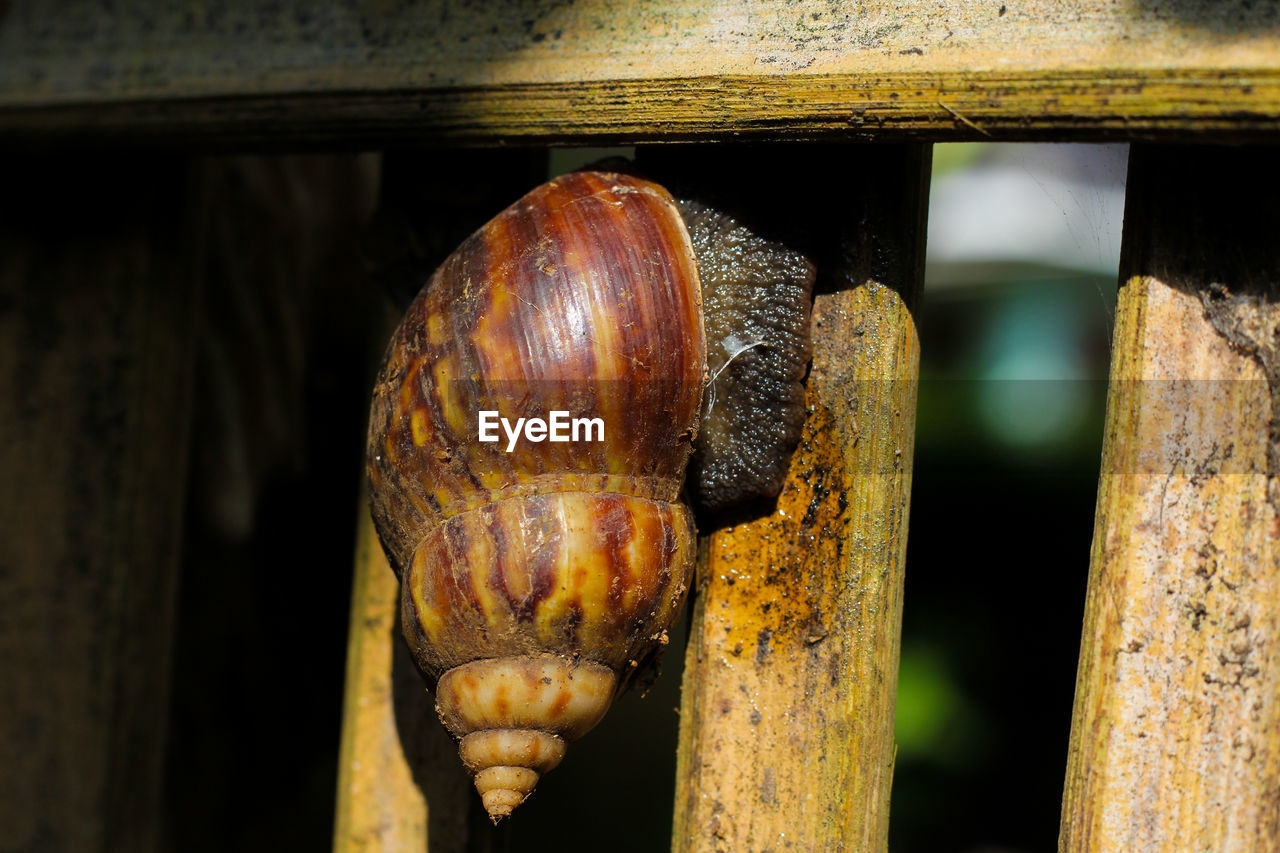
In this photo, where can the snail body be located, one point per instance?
(536, 575)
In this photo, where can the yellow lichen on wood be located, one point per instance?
(786, 735)
(1175, 741)
(393, 747)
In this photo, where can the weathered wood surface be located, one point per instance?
(1175, 742)
(787, 717)
(681, 69)
(97, 297)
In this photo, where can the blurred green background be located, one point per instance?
(1015, 339)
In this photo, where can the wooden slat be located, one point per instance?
(786, 739)
(1175, 743)
(400, 783)
(97, 297)
(679, 69)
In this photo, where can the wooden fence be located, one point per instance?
(1175, 741)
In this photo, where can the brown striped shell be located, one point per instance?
(534, 580)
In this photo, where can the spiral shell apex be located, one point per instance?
(538, 569)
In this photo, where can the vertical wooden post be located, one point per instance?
(786, 737)
(97, 297)
(1175, 742)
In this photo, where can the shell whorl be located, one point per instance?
(533, 581)
(583, 296)
(514, 715)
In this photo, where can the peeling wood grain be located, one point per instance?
(1175, 741)
(224, 72)
(786, 739)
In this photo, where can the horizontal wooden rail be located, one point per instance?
(680, 69)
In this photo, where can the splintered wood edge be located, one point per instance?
(1092, 104)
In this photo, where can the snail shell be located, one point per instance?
(534, 581)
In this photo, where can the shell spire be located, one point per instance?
(538, 567)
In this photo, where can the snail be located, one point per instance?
(528, 442)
